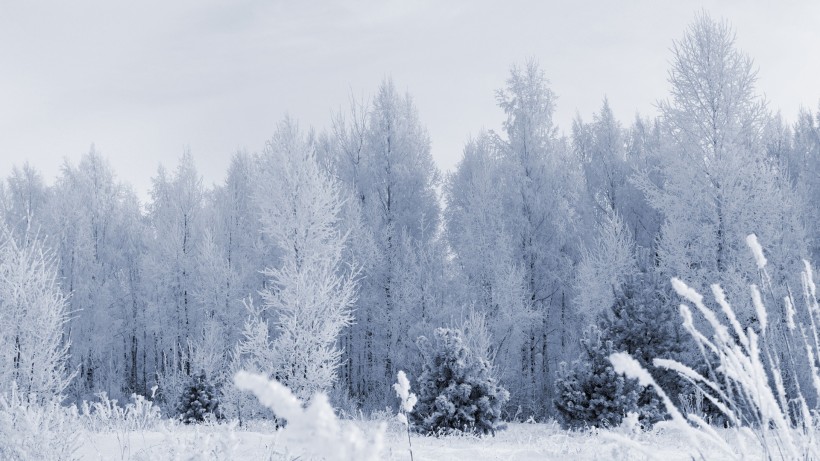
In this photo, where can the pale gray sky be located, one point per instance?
(143, 79)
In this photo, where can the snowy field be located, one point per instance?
(519, 442)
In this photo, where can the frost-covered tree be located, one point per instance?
(310, 294)
(176, 230)
(589, 392)
(33, 311)
(26, 197)
(610, 156)
(644, 140)
(511, 208)
(381, 154)
(605, 266)
(402, 210)
(456, 391)
(804, 162)
(240, 248)
(716, 183)
(94, 226)
(539, 200)
(231, 256)
(641, 319)
(491, 279)
(602, 150)
(199, 401)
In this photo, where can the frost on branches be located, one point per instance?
(311, 290)
(33, 310)
(457, 392)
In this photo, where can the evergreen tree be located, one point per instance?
(642, 322)
(589, 392)
(457, 392)
(198, 401)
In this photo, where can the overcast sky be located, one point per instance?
(141, 80)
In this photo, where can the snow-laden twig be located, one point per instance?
(312, 431)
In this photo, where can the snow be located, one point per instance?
(521, 441)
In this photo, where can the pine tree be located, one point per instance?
(641, 321)
(198, 401)
(589, 392)
(457, 392)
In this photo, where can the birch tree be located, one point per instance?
(540, 202)
(310, 294)
(716, 183)
(33, 311)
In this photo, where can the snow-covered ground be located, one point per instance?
(519, 442)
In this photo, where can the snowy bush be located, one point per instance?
(199, 401)
(312, 431)
(748, 382)
(457, 392)
(36, 431)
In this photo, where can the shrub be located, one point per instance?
(457, 392)
(34, 429)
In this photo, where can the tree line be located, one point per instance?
(325, 254)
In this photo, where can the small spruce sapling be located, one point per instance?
(408, 401)
(457, 392)
(199, 401)
(589, 392)
(643, 321)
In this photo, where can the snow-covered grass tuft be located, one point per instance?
(408, 401)
(312, 431)
(746, 382)
(107, 415)
(757, 251)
